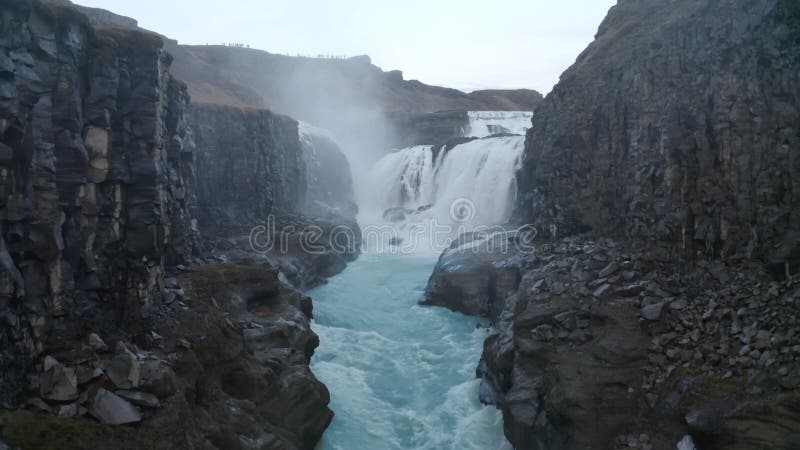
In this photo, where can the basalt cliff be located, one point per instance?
(130, 290)
(657, 302)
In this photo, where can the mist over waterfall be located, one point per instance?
(329, 184)
(472, 184)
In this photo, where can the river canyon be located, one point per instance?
(210, 246)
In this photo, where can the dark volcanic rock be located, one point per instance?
(509, 100)
(432, 128)
(686, 354)
(678, 124)
(101, 191)
(92, 202)
(771, 423)
(251, 343)
(473, 277)
(674, 132)
(248, 164)
(110, 408)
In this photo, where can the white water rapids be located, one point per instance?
(402, 376)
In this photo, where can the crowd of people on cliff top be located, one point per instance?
(318, 56)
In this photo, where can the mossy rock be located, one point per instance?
(26, 430)
(222, 281)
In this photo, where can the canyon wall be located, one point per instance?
(129, 290)
(432, 128)
(677, 125)
(93, 180)
(250, 162)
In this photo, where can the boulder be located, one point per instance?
(109, 408)
(58, 382)
(474, 276)
(123, 368)
(158, 379)
(609, 270)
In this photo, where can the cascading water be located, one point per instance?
(413, 168)
(487, 123)
(402, 376)
(484, 172)
(425, 186)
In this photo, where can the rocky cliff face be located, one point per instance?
(93, 186)
(669, 153)
(105, 173)
(677, 125)
(255, 169)
(250, 162)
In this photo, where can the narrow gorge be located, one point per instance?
(218, 247)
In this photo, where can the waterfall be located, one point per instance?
(404, 178)
(422, 183)
(484, 172)
(404, 372)
(487, 123)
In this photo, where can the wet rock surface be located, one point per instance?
(433, 128)
(474, 276)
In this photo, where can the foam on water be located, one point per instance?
(401, 376)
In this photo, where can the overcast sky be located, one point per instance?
(466, 44)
